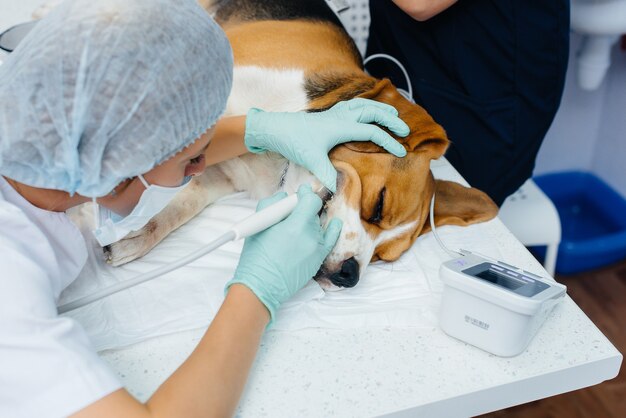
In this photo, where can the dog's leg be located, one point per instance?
(201, 192)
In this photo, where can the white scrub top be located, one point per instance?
(48, 367)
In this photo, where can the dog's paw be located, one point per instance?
(45, 8)
(132, 246)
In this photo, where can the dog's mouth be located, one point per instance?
(333, 276)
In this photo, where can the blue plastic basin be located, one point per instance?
(593, 220)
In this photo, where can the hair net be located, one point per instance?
(100, 91)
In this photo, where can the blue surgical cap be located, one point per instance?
(101, 91)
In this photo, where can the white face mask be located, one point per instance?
(111, 227)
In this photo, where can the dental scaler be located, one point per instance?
(251, 225)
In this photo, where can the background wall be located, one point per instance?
(589, 130)
(609, 160)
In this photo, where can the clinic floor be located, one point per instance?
(601, 294)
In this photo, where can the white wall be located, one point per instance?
(589, 130)
(609, 160)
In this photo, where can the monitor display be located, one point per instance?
(500, 279)
(507, 279)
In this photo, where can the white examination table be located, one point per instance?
(393, 371)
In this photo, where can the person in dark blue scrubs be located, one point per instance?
(491, 72)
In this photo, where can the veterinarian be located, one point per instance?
(114, 101)
(491, 72)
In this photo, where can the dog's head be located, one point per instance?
(384, 200)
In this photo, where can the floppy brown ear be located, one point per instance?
(426, 135)
(459, 205)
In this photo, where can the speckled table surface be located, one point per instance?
(402, 372)
(387, 371)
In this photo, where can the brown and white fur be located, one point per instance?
(294, 56)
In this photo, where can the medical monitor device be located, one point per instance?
(493, 305)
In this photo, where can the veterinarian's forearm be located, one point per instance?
(210, 381)
(423, 9)
(227, 141)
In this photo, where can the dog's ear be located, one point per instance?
(459, 205)
(426, 135)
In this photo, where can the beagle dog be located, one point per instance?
(295, 56)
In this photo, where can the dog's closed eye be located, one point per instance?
(377, 214)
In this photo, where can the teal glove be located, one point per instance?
(306, 138)
(279, 261)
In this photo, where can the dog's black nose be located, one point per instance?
(348, 276)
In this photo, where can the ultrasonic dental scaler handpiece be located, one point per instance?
(265, 218)
(251, 225)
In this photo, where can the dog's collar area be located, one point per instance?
(283, 175)
(326, 196)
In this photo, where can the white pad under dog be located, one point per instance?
(405, 293)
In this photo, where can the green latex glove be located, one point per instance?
(306, 138)
(279, 261)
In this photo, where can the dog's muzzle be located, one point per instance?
(348, 276)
